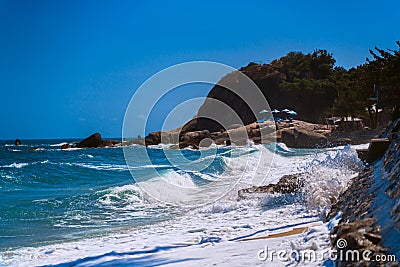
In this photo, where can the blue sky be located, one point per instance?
(69, 68)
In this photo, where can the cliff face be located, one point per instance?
(371, 206)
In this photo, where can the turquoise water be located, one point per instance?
(85, 205)
(51, 195)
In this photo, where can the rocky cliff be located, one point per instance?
(370, 207)
(240, 104)
(310, 107)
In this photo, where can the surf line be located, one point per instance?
(293, 231)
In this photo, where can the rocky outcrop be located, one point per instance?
(287, 184)
(363, 236)
(92, 141)
(370, 207)
(194, 139)
(235, 134)
(295, 134)
(268, 79)
(65, 146)
(165, 137)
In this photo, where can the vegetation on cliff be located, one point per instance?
(316, 80)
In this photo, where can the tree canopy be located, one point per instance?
(344, 92)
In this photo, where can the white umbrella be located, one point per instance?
(275, 111)
(285, 110)
(263, 111)
(292, 112)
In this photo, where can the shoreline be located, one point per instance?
(206, 229)
(370, 206)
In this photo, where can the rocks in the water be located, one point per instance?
(302, 139)
(153, 138)
(17, 142)
(291, 183)
(65, 146)
(92, 141)
(162, 137)
(295, 134)
(105, 143)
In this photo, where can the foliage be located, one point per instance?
(343, 92)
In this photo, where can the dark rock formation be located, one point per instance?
(302, 139)
(370, 206)
(287, 184)
(268, 79)
(92, 141)
(65, 146)
(105, 143)
(17, 142)
(153, 138)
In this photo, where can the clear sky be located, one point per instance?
(69, 68)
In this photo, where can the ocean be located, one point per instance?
(85, 206)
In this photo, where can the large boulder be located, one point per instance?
(92, 141)
(153, 138)
(193, 138)
(268, 78)
(296, 138)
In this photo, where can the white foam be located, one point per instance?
(86, 156)
(71, 149)
(327, 175)
(102, 167)
(16, 165)
(58, 145)
(127, 194)
(207, 233)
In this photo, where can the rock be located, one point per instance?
(291, 183)
(92, 141)
(153, 138)
(65, 146)
(134, 141)
(267, 132)
(106, 143)
(361, 235)
(360, 211)
(339, 142)
(302, 138)
(163, 137)
(193, 138)
(17, 142)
